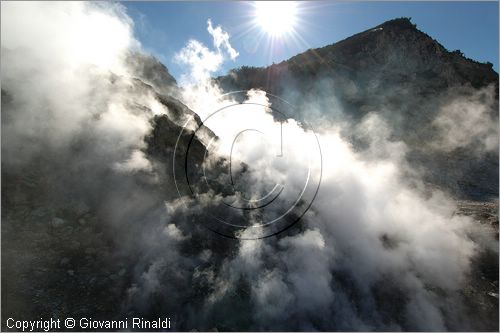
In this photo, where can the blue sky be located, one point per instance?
(163, 28)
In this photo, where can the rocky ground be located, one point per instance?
(62, 263)
(56, 263)
(482, 290)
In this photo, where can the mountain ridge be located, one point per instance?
(334, 55)
(402, 75)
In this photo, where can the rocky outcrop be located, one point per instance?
(151, 71)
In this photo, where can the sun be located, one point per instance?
(276, 18)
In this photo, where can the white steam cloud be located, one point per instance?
(64, 68)
(467, 121)
(365, 223)
(221, 39)
(202, 61)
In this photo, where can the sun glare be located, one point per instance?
(276, 17)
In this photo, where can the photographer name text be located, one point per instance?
(86, 324)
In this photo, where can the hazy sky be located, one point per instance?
(164, 27)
